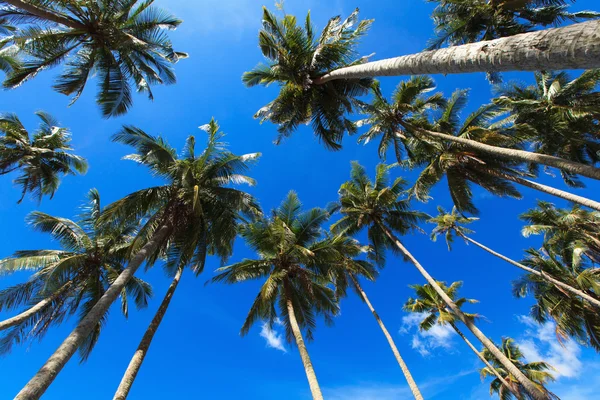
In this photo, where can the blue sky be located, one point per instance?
(198, 352)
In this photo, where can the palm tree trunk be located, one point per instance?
(487, 364)
(529, 386)
(45, 14)
(17, 319)
(542, 274)
(308, 367)
(575, 46)
(35, 388)
(411, 382)
(138, 357)
(512, 154)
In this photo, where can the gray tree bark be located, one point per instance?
(529, 386)
(140, 354)
(575, 46)
(35, 388)
(45, 14)
(409, 379)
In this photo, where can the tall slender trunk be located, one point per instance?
(529, 386)
(45, 14)
(138, 357)
(308, 367)
(35, 388)
(542, 274)
(487, 364)
(547, 189)
(17, 319)
(411, 382)
(575, 46)
(511, 154)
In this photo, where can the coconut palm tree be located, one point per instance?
(9, 54)
(348, 274)
(377, 207)
(451, 224)
(70, 280)
(435, 312)
(296, 260)
(561, 114)
(295, 57)
(463, 165)
(123, 42)
(196, 192)
(573, 316)
(41, 159)
(537, 372)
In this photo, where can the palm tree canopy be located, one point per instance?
(299, 262)
(538, 371)
(197, 200)
(123, 42)
(374, 205)
(91, 257)
(296, 57)
(450, 224)
(560, 115)
(467, 21)
(573, 316)
(41, 159)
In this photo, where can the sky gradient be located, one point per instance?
(198, 352)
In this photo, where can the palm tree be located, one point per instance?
(463, 166)
(561, 114)
(40, 159)
(70, 280)
(450, 224)
(377, 207)
(348, 274)
(297, 262)
(196, 193)
(565, 230)
(122, 41)
(9, 54)
(435, 311)
(296, 56)
(573, 317)
(536, 371)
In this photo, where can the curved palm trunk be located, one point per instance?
(308, 367)
(487, 364)
(529, 386)
(45, 14)
(572, 47)
(512, 154)
(411, 382)
(17, 319)
(138, 357)
(542, 274)
(35, 388)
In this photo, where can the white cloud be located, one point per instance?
(440, 336)
(541, 344)
(273, 338)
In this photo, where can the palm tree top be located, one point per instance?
(449, 224)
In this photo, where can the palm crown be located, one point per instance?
(76, 277)
(123, 42)
(296, 59)
(450, 224)
(40, 159)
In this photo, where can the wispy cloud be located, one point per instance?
(273, 338)
(440, 336)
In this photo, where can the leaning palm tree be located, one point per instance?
(123, 42)
(296, 261)
(70, 280)
(41, 159)
(435, 312)
(451, 224)
(536, 371)
(573, 317)
(296, 56)
(197, 191)
(377, 207)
